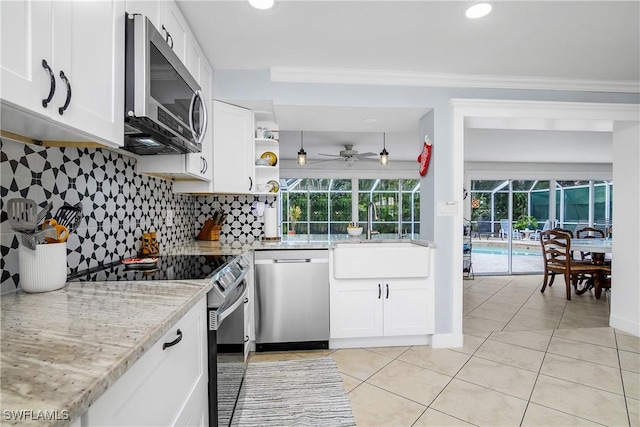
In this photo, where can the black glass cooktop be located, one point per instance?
(167, 267)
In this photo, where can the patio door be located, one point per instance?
(505, 226)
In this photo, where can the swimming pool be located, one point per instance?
(488, 250)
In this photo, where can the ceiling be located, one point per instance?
(543, 40)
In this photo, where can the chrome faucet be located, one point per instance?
(372, 213)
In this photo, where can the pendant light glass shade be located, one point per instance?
(302, 155)
(384, 154)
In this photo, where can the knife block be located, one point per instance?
(209, 231)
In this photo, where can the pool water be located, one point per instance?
(499, 251)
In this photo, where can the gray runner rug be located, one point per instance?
(306, 392)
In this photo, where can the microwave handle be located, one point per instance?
(198, 136)
(205, 122)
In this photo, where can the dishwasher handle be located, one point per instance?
(292, 261)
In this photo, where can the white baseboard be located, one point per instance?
(625, 325)
(380, 341)
(447, 340)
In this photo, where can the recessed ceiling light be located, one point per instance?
(371, 120)
(478, 10)
(261, 4)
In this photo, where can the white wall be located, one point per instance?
(625, 286)
(531, 146)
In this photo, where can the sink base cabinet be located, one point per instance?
(165, 386)
(394, 307)
(381, 311)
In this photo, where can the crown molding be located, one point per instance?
(404, 78)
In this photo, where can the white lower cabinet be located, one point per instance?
(165, 387)
(392, 307)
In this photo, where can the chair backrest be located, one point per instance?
(589, 233)
(556, 249)
(547, 225)
(564, 230)
(505, 225)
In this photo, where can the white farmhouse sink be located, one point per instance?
(369, 260)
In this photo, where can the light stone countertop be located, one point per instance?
(203, 247)
(61, 350)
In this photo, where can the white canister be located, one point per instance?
(44, 269)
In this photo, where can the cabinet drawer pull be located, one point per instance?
(387, 285)
(52, 84)
(68, 100)
(379, 291)
(174, 342)
(250, 183)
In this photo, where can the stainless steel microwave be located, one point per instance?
(165, 112)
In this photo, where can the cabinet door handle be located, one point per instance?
(68, 100)
(52, 84)
(250, 183)
(246, 300)
(168, 36)
(174, 342)
(387, 285)
(203, 164)
(379, 291)
(246, 338)
(206, 165)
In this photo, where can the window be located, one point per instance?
(322, 208)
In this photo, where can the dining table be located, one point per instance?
(598, 248)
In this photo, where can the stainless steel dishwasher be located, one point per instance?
(292, 299)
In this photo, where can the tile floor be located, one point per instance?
(528, 359)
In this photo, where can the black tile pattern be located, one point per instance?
(118, 204)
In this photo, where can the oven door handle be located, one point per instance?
(240, 300)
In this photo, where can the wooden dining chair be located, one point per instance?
(556, 251)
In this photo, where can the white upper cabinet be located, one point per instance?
(26, 54)
(63, 64)
(169, 21)
(233, 149)
(174, 28)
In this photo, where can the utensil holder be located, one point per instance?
(43, 269)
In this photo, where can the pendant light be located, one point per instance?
(302, 155)
(384, 154)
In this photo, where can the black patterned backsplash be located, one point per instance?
(118, 204)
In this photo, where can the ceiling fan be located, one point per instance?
(349, 155)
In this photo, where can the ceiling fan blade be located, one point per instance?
(325, 160)
(330, 155)
(368, 154)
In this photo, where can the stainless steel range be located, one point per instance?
(228, 342)
(226, 306)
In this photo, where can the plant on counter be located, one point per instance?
(294, 216)
(526, 222)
